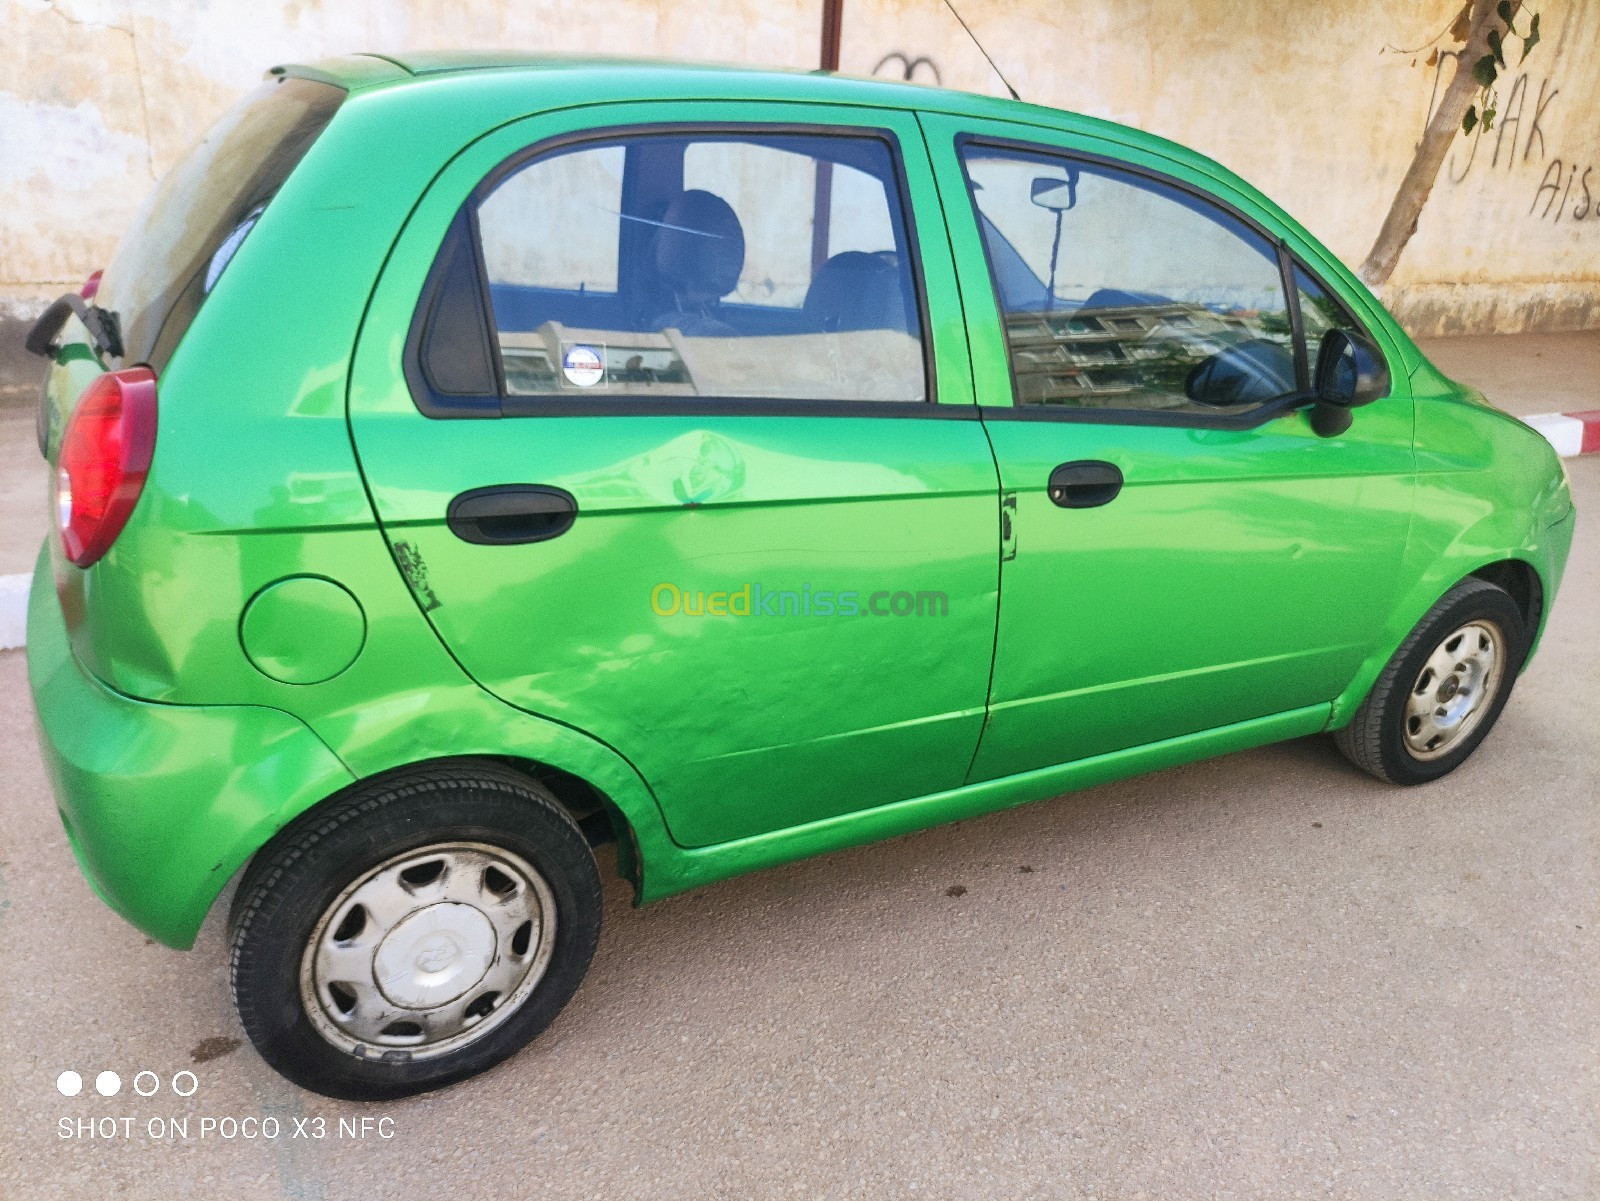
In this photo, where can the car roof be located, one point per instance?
(639, 78)
(601, 79)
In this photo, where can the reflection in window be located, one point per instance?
(724, 265)
(1319, 312)
(1119, 292)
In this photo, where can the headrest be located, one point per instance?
(855, 290)
(700, 246)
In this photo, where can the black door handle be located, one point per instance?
(507, 514)
(1084, 483)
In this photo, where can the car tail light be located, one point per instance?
(91, 286)
(105, 456)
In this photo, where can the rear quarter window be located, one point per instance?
(204, 208)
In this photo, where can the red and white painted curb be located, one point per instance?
(1570, 433)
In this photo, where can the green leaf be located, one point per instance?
(1496, 48)
(1503, 10)
(1470, 119)
(1532, 40)
(1484, 71)
(1488, 119)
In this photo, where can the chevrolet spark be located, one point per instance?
(466, 460)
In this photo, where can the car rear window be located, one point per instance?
(201, 212)
(766, 265)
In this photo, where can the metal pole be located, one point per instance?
(832, 21)
(822, 199)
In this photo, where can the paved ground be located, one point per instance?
(1529, 373)
(1262, 976)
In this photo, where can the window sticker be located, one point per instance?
(583, 366)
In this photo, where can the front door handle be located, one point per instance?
(1084, 484)
(507, 514)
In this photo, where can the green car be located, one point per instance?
(467, 460)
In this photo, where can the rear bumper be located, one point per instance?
(163, 803)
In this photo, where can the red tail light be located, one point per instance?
(105, 456)
(91, 286)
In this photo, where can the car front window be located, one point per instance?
(1121, 292)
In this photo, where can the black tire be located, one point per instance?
(1376, 738)
(307, 871)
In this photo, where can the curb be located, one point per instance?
(14, 610)
(1570, 433)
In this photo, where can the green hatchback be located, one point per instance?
(466, 460)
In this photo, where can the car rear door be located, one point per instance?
(665, 411)
(1178, 564)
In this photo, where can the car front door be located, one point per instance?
(1186, 552)
(665, 410)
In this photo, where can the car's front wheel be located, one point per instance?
(1439, 695)
(414, 932)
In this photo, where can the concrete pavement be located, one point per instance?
(1261, 976)
(1526, 373)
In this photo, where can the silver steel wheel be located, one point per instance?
(428, 951)
(1454, 689)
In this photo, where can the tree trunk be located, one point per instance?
(1406, 208)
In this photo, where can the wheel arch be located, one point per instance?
(591, 806)
(597, 814)
(1516, 573)
(601, 789)
(1521, 580)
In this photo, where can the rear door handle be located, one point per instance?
(507, 514)
(1084, 484)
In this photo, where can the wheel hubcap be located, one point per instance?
(434, 955)
(428, 951)
(1454, 689)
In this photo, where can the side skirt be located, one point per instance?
(678, 869)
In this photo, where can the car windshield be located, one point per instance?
(200, 213)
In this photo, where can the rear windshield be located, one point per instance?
(200, 213)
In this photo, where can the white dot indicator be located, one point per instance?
(108, 1084)
(69, 1084)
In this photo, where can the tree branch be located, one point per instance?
(1406, 208)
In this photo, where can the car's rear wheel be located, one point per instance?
(1440, 694)
(414, 932)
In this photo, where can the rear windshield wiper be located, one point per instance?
(101, 324)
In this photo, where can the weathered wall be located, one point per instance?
(1312, 103)
(1309, 101)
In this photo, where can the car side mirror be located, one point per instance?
(1350, 371)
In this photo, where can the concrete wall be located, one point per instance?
(1314, 105)
(1309, 101)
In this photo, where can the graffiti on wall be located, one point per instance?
(912, 68)
(1568, 188)
(1583, 202)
